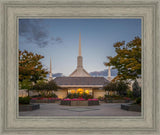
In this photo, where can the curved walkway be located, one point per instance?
(105, 109)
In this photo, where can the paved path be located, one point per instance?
(105, 109)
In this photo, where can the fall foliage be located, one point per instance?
(30, 67)
(128, 59)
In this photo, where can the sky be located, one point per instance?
(58, 39)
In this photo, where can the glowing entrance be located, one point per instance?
(80, 90)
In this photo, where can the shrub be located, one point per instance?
(53, 95)
(24, 100)
(130, 94)
(100, 98)
(107, 96)
(36, 96)
(138, 100)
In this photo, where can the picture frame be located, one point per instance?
(147, 123)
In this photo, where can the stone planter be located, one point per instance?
(65, 102)
(131, 107)
(92, 102)
(29, 107)
(79, 102)
(117, 101)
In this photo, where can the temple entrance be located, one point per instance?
(80, 90)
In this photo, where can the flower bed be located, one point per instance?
(44, 100)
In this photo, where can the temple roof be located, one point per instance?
(81, 81)
(80, 72)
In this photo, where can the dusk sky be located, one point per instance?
(59, 39)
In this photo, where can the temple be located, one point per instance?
(80, 80)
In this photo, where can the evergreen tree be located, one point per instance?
(136, 89)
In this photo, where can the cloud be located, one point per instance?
(35, 31)
(58, 39)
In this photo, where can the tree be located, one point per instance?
(41, 85)
(25, 84)
(45, 87)
(128, 59)
(136, 89)
(112, 86)
(120, 87)
(30, 67)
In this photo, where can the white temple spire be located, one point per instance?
(109, 71)
(50, 72)
(80, 44)
(79, 72)
(109, 74)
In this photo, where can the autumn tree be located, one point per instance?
(127, 60)
(30, 67)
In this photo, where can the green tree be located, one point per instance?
(127, 60)
(112, 86)
(30, 67)
(120, 87)
(136, 89)
(25, 84)
(45, 88)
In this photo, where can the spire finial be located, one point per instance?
(79, 44)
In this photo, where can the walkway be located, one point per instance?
(109, 109)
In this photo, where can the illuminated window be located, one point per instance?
(81, 91)
(71, 91)
(87, 91)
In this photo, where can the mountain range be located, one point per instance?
(103, 73)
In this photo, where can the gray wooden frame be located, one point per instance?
(146, 10)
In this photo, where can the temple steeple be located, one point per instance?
(79, 58)
(80, 45)
(50, 72)
(109, 74)
(80, 72)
